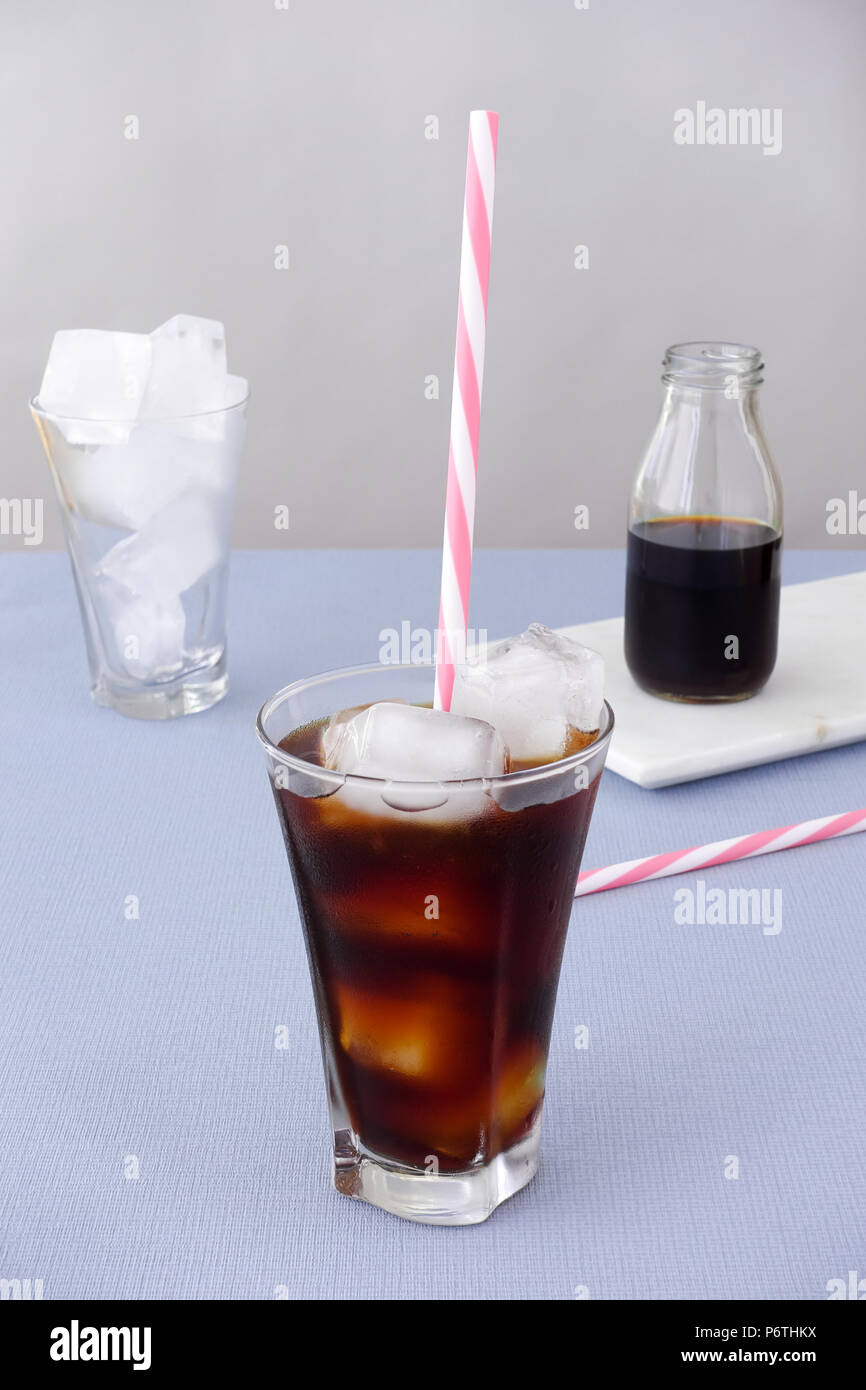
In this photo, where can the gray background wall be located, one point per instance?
(262, 126)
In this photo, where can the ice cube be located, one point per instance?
(124, 485)
(188, 369)
(94, 383)
(519, 1090)
(424, 1032)
(148, 631)
(334, 732)
(389, 910)
(408, 743)
(335, 729)
(533, 689)
(178, 546)
(394, 1035)
(237, 388)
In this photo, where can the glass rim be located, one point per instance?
(338, 779)
(45, 414)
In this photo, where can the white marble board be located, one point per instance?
(815, 698)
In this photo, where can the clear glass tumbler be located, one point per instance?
(147, 511)
(435, 916)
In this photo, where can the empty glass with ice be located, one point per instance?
(144, 434)
(435, 857)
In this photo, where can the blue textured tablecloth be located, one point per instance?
(148, 1045)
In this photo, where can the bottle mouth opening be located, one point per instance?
(714, 366)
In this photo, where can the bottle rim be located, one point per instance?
(714, 366)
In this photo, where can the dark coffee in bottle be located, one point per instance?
(702, 606)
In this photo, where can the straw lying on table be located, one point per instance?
(684, 861)
(466, 401)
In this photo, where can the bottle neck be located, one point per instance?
(734, 396)
(708, 456)
(718, 371)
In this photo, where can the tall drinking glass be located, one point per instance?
(435, 916)
(147, 511)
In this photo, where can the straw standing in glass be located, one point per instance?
(435, 854)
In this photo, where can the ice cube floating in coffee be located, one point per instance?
(533, 699)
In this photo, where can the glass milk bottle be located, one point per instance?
(705, 534)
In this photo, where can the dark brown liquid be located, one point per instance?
(439, 1025)
(694, 584)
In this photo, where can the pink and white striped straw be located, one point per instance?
(684, 861)
(466, 401)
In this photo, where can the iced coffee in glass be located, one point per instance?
(435, 857)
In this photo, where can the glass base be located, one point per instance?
(439, 1199)
(189, 694)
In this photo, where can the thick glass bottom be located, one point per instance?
(189, 694)
(702, 699)
(438, 1199)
